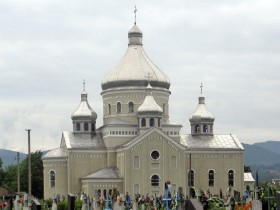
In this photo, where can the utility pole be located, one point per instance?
(18, 179)
(190, 175)
(29, 164)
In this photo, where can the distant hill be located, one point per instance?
(272, 146)
(261, 154)
(9, 157)
(263, 157)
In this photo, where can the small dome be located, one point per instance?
(149, 105)
(56, 153)
(84, 111)
(202, 113)
(134, 67)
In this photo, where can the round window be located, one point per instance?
(155, 154)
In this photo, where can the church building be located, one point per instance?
(138, 148)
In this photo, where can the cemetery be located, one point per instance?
(113, 200)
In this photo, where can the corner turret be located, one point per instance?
(84, 118)
(202, 120)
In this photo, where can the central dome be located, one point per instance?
(135, 68)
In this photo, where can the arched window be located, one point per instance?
(136, 162)
(78, 126)
(196, 128)
(109, 109)
(191, 178)
(119, 108)
(130, 107)
(205, 128)
(52, 179)
(85, 126)
(173, 162)
(163, 108)
(231, 178)
(211, 178)
(155, 180)
(152, 122)
(136, 189)
(143, 122)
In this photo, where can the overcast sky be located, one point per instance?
(48, 47)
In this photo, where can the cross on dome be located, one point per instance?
(135, 15)
(201, 86)
(84, 84)
(149, 77)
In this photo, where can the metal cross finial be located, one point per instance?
(201, 86)
(84, 84)
(135, 15)
(149, 77)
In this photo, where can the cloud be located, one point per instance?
(49, 47)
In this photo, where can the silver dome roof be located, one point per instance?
(56, 153)
(149, 105)
(201, 112)
(135, 66)
(84, 111)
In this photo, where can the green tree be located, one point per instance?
(37, 181)
(2, 173)
(247, 169)
(10, 180)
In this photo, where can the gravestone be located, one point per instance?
(135, 203)
(17, 203)
(71, 201)
(96, 201)
(25, 202)
(278, 200)
(257, 205)
(11, 203)
(118, 206)
(89, 203)
(36, 205)
(54, 205)
(180, 199)
(84, 199)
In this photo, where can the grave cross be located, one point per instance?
(268, 197)
(167, 198)
(107, 203)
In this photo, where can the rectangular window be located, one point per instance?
(136, 162)
(173, 162)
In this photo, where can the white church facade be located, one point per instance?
(138, 149)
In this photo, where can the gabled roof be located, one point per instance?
(105, 173)
(216, 141)
(139, 138)
(248, 177)
(82, 141)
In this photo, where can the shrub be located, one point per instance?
(78, 204)
(63, 205)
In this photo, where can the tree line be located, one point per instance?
(9, 176)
